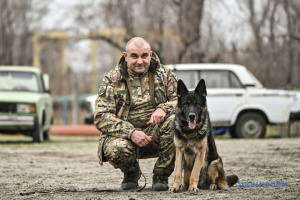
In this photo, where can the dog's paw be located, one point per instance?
(193, 189)
(213, 186)
(174, 189)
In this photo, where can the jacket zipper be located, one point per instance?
(142, 92)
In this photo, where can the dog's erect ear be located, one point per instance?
(201, 88)
(181, 88)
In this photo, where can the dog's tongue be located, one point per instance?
(192, 124)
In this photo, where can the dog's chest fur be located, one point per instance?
(191, 144)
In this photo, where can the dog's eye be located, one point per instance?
(198, 104)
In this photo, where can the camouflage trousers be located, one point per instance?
(123, 153)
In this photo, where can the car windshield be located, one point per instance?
(18, 81)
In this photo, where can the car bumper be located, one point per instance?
(17, 121)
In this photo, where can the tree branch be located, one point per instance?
(108, 40)
(295, 37)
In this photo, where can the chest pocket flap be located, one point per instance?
(102, 89)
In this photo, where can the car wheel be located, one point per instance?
(38, 134)
(47, 135)
(251, 125)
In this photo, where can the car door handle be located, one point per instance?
(238, 95)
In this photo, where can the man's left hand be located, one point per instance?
(157, 117)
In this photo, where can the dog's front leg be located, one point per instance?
(186, 179)
(178, 171)
(194, 179)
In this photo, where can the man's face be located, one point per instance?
(138, 58)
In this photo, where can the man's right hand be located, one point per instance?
(140, 138)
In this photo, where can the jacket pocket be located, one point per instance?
(100, 149)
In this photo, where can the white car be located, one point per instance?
(236, 99)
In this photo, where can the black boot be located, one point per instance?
(130, 180)
(160, 180)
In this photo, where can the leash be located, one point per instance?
(138, 156)
(138, 149)
(151, 128)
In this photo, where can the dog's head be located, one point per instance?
(192, 103)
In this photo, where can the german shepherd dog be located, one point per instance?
(196, 151)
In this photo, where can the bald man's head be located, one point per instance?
(138, 42)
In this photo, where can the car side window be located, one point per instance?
(234, 81)
(189, 77)
(220, 79)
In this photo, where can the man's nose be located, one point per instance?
(140, 60)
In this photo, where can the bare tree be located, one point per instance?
(16, 30)
(257, 23)
(190, 16)
(292, 11)
(156, 20)
(6, 19)
(270, 32)
(270, 53)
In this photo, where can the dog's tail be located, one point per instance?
(232, 179)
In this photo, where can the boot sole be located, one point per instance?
(160, 187)
(129, 186)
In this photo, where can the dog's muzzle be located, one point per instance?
(192, 121)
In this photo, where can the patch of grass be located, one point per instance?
(273, 131)
(278, 131)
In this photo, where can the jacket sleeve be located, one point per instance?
(171, 91)
(105, 118)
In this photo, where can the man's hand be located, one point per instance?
(157, 117)
(140, 138)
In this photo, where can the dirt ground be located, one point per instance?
(68, 169)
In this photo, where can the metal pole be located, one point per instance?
(75, 103)
(65, 110)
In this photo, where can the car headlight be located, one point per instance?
(26, 108)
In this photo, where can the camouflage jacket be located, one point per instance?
(113, 93)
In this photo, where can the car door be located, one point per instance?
(224, 95)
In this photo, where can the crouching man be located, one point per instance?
(138, 95)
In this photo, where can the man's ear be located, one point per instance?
(201, 88)
(125, 55)
(181, 88)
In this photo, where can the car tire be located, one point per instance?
(38, 134)
(251, 125)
